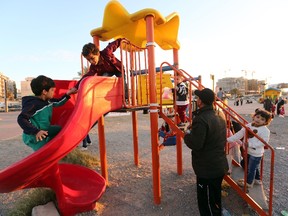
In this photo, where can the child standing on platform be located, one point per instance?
(181, 99)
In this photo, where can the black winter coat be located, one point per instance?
(207, 139)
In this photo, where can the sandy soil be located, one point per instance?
(130, 189)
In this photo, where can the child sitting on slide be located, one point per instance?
(35, 117)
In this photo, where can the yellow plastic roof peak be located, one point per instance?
(118, 23)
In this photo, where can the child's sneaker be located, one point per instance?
(161, 147)
(257, 182)
(84, 148)
(241, 183)
(89, 143)
(181, 124)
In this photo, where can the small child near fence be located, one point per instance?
(260, 120)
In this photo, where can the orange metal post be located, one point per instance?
(153, 108)
(134, 113)
(96, 41)
(135, 137)
(102, 148)
(82, 66)
(178, 137)
(200, 81)
(101, 132)
(179, 154)
(175, 58)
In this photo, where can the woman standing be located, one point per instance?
(280, 106)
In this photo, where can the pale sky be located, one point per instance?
(220, 37)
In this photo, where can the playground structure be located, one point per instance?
(99, 95)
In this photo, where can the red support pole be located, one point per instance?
(135, 137)
(153, 108)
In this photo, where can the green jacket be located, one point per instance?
(36, 115)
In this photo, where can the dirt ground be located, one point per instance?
(130, 189)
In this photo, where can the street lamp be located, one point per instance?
(5, 96)
(245, 80)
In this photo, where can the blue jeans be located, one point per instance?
(253, 168)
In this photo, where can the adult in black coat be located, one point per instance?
(207, 138)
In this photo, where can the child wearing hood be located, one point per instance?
(35, 117)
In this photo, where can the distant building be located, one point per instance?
(10, 88)
(284, 88)
(2, 86)
(243, 85)
(25, 87)
(19, 95)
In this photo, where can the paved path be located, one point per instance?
(8, 125)
(248, 109)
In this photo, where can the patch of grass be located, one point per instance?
(41, 196)
(79, 157)
(35, 197)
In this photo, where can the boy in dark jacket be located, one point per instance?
(207, 138)
(36, 114)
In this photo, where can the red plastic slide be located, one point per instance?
(77, 188)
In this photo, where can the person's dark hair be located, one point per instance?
(89, 48)
(264, 113)
(41, 83)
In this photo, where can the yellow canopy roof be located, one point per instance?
(118, 23)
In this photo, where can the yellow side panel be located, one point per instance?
(165, 92)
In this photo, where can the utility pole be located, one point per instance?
(252, 73)
(212, 77)
(5, 96)
(245, 80)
